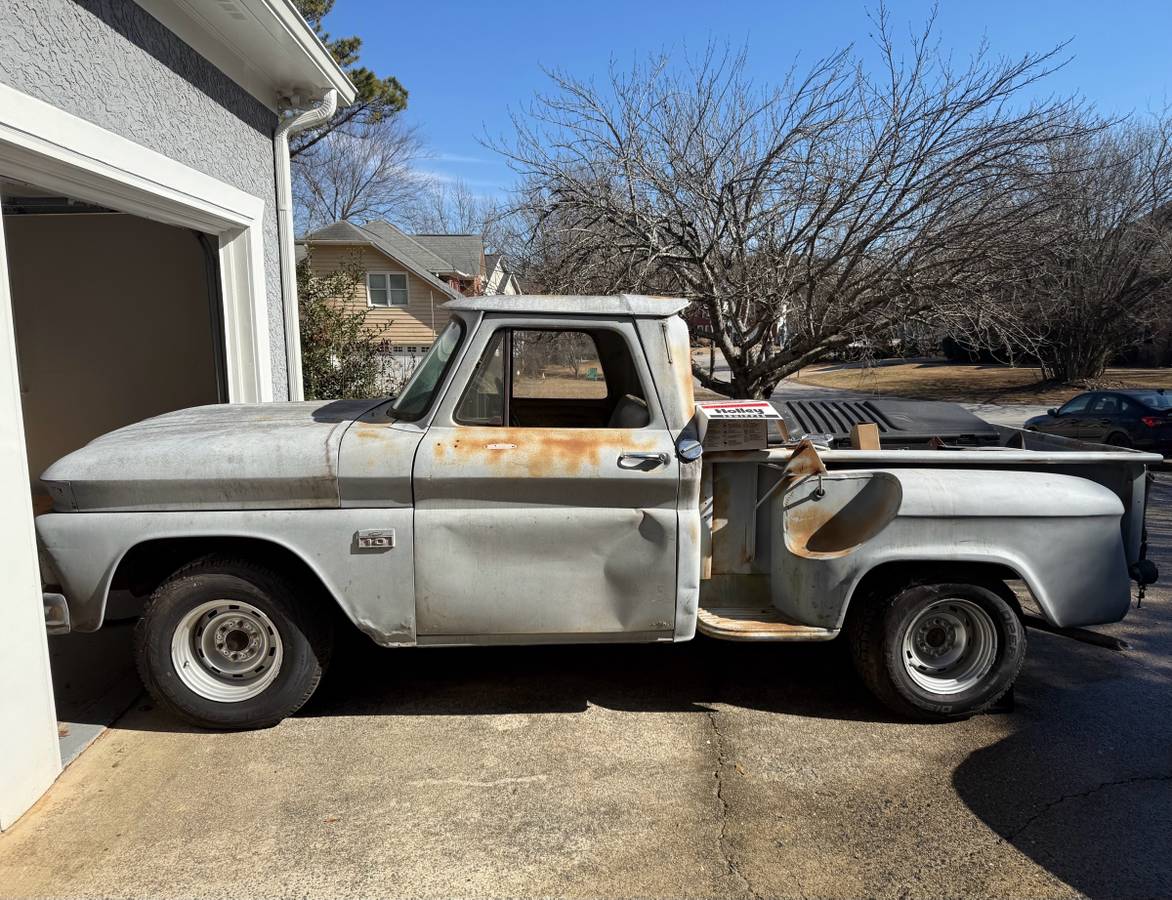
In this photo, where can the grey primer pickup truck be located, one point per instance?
(542, 479)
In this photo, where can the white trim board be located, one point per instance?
(55, 150)
(30, 757)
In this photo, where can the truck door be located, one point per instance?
(545, 490)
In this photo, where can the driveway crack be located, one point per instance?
(1013, 835)
(730, 863)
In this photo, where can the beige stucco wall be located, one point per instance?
(413, 324)
(112, 326)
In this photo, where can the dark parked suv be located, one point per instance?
(1140, 418)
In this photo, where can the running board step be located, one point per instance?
(748, 623)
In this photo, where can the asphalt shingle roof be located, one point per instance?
(462, 251)
(388, 240)
(405, 244)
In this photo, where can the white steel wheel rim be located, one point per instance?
(227, 651)
(950, 646)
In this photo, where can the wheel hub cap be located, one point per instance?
(950, 646)
(227, 650)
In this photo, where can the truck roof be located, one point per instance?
(571, 304)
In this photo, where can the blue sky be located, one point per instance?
(466, 63)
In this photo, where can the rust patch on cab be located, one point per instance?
(541, 452)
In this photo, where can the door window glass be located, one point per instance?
(1107, 404)
(549, 378)
(561, 364)
(483, 402)
(1077, 405)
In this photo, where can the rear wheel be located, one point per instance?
(938, 651)
(1118, 439)
(225, 643)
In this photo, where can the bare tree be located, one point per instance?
(452, 207)
(377, 98)
(796, 218)
(359, 176)
(1099, 268)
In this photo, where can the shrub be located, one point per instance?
(342, 356)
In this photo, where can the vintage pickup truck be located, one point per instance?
(543, 478)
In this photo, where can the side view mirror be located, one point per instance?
(1052, 412)
(689, 450)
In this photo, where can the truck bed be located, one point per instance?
(747, 507)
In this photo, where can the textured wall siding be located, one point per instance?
(410, 325)
(109, 62)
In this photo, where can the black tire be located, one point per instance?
(879, 626)
(1118, 439)
(304, 630)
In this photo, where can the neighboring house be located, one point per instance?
(499, 277)
(406, 277)
(146, 259)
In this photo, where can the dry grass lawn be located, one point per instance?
(969, 383)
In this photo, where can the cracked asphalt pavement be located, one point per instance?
(695, 770)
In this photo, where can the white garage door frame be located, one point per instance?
(57, 151)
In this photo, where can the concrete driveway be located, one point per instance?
(704, 769)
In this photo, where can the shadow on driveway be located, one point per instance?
(1083, 785)
(814, 680)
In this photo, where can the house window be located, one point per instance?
(386, 288)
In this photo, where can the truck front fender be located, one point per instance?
(373, 586)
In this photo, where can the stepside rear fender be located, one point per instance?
(1060, 534)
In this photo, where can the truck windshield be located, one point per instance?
(429, 375)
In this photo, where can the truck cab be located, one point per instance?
(548, 496)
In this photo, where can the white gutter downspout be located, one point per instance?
(307, 119)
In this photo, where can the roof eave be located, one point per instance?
(331, 73)
(263, 45)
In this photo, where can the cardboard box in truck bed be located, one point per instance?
(738, 424)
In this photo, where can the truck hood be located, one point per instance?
(228, 456)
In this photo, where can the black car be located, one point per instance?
(1140, 418)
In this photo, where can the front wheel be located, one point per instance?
(938, 651)
(225, 643)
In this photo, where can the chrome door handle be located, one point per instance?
(638, 457)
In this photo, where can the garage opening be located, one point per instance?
(117, 318)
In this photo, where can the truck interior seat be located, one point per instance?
(630, 412)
